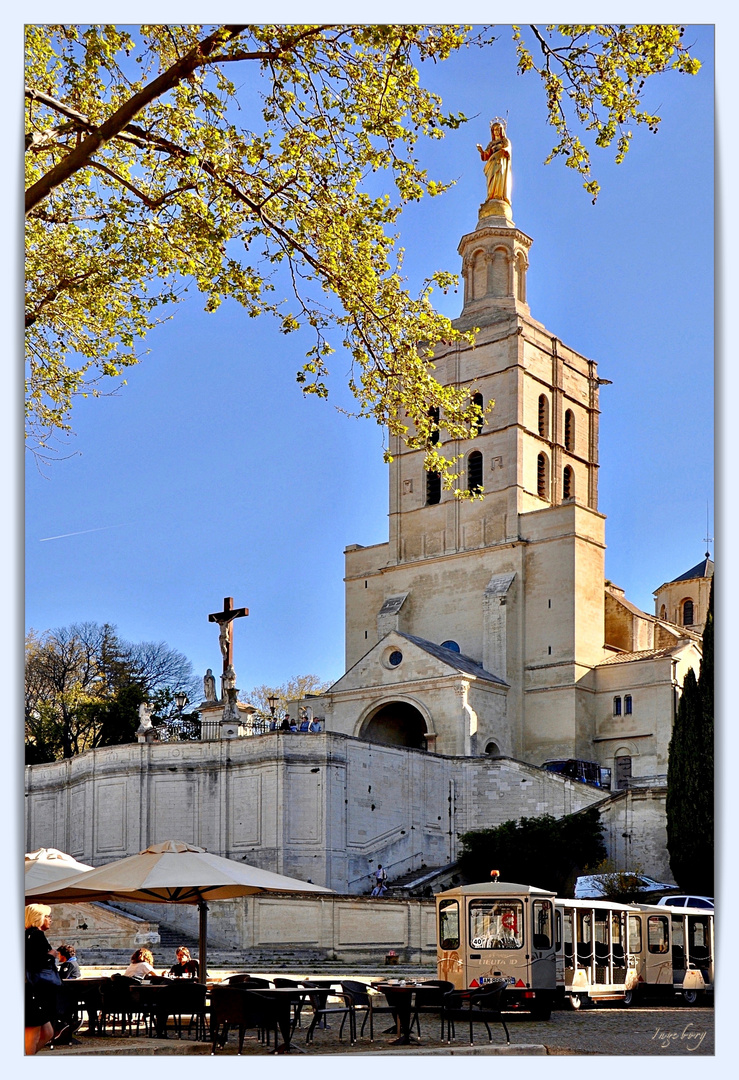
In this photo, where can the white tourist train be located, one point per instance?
(551, 950)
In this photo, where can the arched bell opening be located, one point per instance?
(397, 723)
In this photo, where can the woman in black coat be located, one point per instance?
(42, 980)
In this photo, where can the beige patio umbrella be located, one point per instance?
(47, 865)
(172, 872)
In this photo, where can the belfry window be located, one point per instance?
(569, 430)
(433, 415)
(477, 425)
(474, 471)
(688, 613)
(617, 706)
(628, 710)
(568, 483)
(542, 476)
(543, 416)
(433, 488)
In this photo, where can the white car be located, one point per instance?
(687, 901)
(593, 885)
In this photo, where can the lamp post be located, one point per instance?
(272, 702)
(181, 701)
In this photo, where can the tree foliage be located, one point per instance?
(295, 689)
(546, 852)
(690, 777)
(84, 684)
(179, 156)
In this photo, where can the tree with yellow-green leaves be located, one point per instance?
(164, 157)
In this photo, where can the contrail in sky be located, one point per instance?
(80, 533)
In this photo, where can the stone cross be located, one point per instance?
(225, 637)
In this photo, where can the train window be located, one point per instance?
(657, 935)
(616, 928)
(496, 924)
(542, 913)
(449, 924)
(635, 945)
(568, 940)
(558, 930)
(699, 945)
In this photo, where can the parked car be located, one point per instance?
(593, 886)
(687, 901)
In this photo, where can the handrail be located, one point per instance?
(386, 866)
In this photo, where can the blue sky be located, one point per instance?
(210, 475)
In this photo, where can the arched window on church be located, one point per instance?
(569, 430)
(568, 483)
(544, 416)
(628, 705)
(617, 706)
(474, 471)
(542, 476)
(477, 426)
(663, 612)
(688, 613)
(433, 488)
(433, 415)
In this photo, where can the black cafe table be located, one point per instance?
(399, 996)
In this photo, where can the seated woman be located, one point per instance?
(141, 966)
(185, 967)
(69, 967)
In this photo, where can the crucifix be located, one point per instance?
(225, 637)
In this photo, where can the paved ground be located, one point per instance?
(595, 1031)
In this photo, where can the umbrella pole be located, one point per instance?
(203, 939)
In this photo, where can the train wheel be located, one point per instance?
(575, 1001)
(628, 998)
(690, 997)
(542, 1012)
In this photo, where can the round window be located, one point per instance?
(395, 658)
(450, 645)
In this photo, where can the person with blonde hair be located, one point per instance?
(44, 1004)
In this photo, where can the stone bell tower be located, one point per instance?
(514, 580)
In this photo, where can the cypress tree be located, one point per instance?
(689, 807)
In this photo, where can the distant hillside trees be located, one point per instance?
(84, 685)
(690, 811)
(546, 852)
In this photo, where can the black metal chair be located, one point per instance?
(233, 1006)
(116, 1004)
(186, 997)
(429, 998)
(321, 1009)
(252, 981)
(474, 1007)
(363, 1001)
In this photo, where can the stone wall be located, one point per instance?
(325, 808)
(335, 928)
(636, 831)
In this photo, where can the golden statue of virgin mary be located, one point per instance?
(497, 158)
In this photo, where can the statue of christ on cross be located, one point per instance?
(225, 637)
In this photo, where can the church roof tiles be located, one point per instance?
(454, 659)
(642, 654)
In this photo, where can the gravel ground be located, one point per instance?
(593, 1031)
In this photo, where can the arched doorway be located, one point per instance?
(398, 723)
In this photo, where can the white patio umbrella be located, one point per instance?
(47, 865)
(172, 872)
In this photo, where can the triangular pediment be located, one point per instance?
(400, 658)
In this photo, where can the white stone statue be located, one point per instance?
(209, 685)
(145, 711)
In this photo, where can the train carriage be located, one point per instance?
(499, 930)
(673, 949)
(593, 963)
